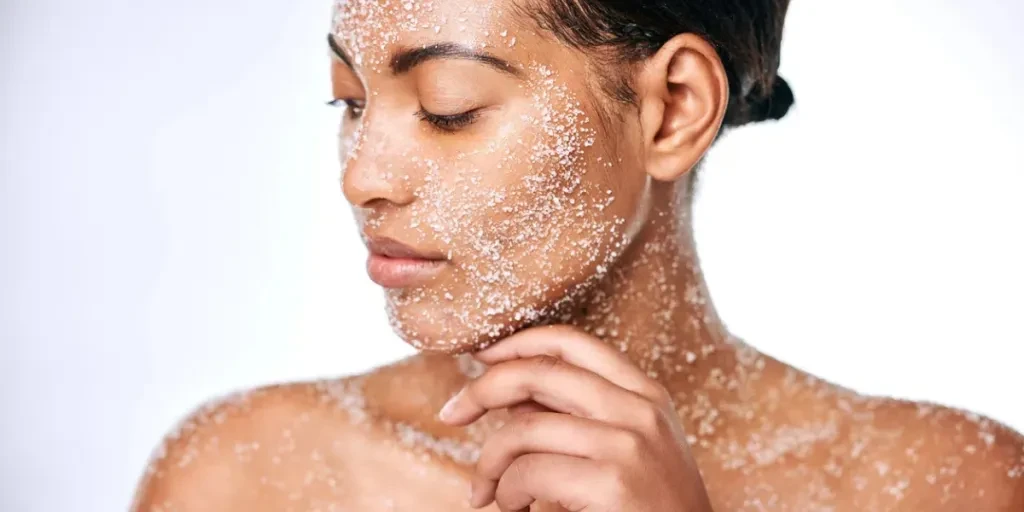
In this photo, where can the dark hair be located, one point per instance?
(747, 34)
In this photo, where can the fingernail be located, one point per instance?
(449, 406)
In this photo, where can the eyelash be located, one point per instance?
(443, 123)
(353, 108)
(451, 123)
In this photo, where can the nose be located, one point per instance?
(372, 170)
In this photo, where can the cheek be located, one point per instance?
(532, 220)
(542, 208)
(570, 201)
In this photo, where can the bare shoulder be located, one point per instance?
(920, 456)
(255, 450)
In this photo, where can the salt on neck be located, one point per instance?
(654, 305)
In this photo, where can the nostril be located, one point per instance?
(376, 204)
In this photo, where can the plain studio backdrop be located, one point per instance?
(173, 227)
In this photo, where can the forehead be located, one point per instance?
(370, 29)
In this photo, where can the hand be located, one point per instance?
(588, 431)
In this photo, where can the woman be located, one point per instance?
(522, 172)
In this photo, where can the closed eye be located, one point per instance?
(449, 123)
(353, 108)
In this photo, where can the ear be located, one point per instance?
(683, 93)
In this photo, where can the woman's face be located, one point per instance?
(484, 145)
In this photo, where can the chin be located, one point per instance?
(445, 330)
(469, 317)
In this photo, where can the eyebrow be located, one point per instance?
(408, 58)
(338, 52)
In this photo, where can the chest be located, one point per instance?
(384, 477)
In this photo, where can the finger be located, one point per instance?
(568, 481)
(552, 433)
(548, 381)
(576, 348)
(527, 408)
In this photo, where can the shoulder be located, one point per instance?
(921, 456)
(236, 453)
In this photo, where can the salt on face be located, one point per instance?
(525, 246)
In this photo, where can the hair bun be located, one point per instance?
(776, 105)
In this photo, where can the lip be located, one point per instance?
(392, 264)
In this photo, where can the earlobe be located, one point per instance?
(683, 92)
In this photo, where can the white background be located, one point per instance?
(172, 226)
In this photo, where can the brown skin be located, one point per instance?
(615, 412)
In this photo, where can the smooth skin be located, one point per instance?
(644, 403)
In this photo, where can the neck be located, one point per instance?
(654, 304)
(655, 308)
